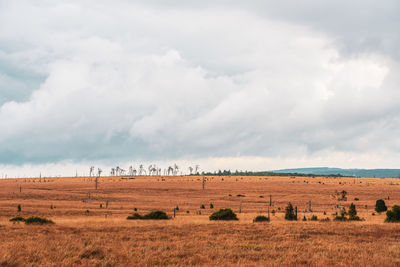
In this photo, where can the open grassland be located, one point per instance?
(87, 231)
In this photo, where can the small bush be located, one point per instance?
(223, 214)
(380, 206)
(202, 206)
(314, 218)
(289, 213)
(19, 207)
(261, 218)
(211, 206)
(342, 216)
(17, 219)
(240, 195)
(38, 220)
(356, 199)
(135, 209)
(304, 218)
(353, 213)
(393, 215)
(177, 208)
(135, 216)
(154, 215)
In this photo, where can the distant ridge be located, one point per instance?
(368, 173)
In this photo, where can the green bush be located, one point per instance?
(17, 219)
(135, 216)
(154, 215)
(19, 207)
(211, 206)
(393, 215)
(202, 206)
(38, 220)
(289, 213)
(314, 218)
(342, 216)
(353, 213)
(261, 218)
(223, 214)
(380, 206)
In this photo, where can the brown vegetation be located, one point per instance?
(87, 233)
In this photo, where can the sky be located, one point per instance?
(247, 85)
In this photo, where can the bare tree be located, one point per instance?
(141, 170)
(190, 170)
(176, 169)
(91, 171)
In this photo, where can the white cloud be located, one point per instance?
(130, 81)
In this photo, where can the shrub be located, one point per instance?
(154, 215)
(380, 206)
(325, 220)
(211, 206)
(17, 219)
(261, 218)
(202, 206)
(135, 216)
(289, 213)
(19, 207)
(223, 214)
(314, 218)
(38, 220)
(304, 218)
(240, 195)
(356, 199)
(393, 215)
(342, 216)
(177, 208)
(353, 213)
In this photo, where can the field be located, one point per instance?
(91, 228)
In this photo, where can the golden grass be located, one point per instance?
(104, 237)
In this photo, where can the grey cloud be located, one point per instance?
(163, 81)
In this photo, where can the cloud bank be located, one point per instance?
(91, 81)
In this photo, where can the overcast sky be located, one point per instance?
(225, 84)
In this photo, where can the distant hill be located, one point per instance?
(369, 173)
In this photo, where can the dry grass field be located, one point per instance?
(90, 233)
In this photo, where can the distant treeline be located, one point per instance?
(264, 173)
